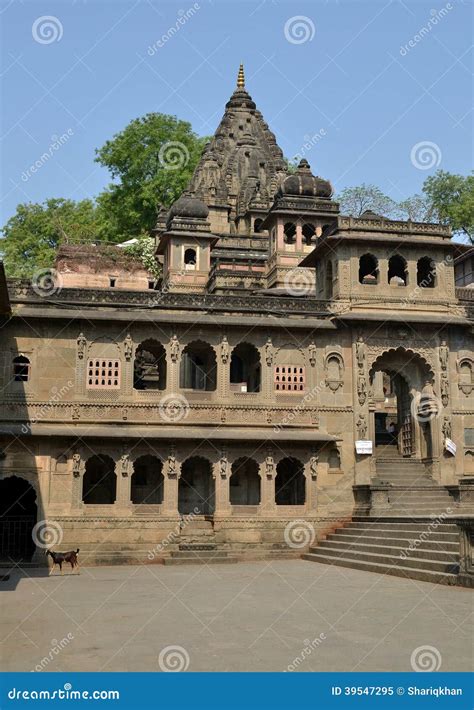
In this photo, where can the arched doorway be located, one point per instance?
(398, 378)
(245, 482)
(99, 486)
(290, 483)
(18, 512)
(196, 487)
(146, 485)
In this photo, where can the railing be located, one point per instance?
(465, 294)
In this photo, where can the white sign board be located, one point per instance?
(450, 446)
(363, 447)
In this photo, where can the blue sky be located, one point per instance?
(357, 74)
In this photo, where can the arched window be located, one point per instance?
(257, 225)
(99, 484)
(21, 368)
(397, 271)
(149, 367)
(190, 259)
(245, 368)
(329, 280)
(290, 483)
(289, 231)
(426, 272)
(309, 231)
(368, 269)
(245, 482)
(198, 367)
(147, 481)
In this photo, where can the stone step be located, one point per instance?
(380, 534)
(417, 527)
(444, 566)
(448, 553)
(392, 569)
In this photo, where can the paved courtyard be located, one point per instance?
(262, 616)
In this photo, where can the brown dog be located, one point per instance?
(60, 557)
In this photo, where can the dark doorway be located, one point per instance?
(290, 483)
(18, 511)
(196, 487)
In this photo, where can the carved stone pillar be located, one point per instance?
(311, 478)
(267, 495)
(122, 472)
(171, 473)
(221, 473)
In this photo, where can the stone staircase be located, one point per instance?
(409, 537)
(406, 549)
(198, 545)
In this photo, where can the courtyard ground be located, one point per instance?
(262, 616)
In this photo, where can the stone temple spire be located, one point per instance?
(241, 161)
(241, 78)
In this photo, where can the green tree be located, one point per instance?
(33, 234)
(418, 208)
(355, 201)
(151, 162)
(452, 197)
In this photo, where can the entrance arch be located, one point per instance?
(245, 482)
(18, 513)
(398, 377)
(196, 487)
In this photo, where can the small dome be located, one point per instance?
(304, 183)
(188, 206)
(370, 214)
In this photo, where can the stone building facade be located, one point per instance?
(225, 402)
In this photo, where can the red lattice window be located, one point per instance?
(103, 374)
(289, 378)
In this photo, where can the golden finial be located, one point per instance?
(241, 78)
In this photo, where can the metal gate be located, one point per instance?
(16, 541)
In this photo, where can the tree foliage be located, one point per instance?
(151, 162)
(452, 197)
(355, 201)
(33, 234)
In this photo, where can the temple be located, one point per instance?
(290, 366)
